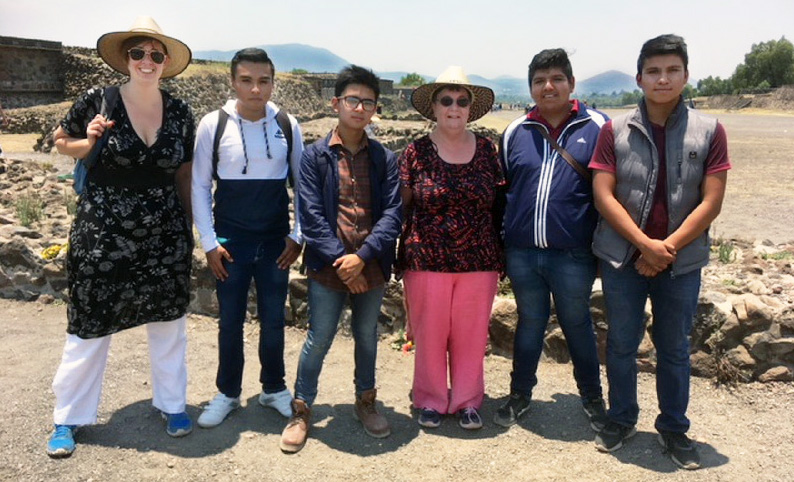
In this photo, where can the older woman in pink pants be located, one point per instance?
(451, 256)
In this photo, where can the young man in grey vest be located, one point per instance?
(660, 174)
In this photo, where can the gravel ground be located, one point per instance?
(744, 433)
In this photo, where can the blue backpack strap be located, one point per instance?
(110, 96)
(223, 117)
(286, 127)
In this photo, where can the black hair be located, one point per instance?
(550, 59)
(668, 44)
(254, 55)
(353, 74)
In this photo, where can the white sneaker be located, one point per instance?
(217, 410)
(281, 401)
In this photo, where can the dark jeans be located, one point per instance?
(567, 275)
(257, 261)
(674, 302)
(325, 308)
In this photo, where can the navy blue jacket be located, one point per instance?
(549, 204)
(318, 189)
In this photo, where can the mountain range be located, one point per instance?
(288, 57)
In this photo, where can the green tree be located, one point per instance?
(769, 62)
(714, 86)
(299, 71)
(629, 98)
(412, 79)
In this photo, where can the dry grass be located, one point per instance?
(18, 142)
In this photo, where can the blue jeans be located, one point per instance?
(674, 302)
(567, 275)
(325, 308)
(252, 260)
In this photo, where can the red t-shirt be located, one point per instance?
(604, 160)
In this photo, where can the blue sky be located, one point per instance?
(489, 38)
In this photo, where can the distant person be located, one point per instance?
(451, 254)
(350, 214)
(660, 174)
(130, 245)
(246, 234)
(548, 229)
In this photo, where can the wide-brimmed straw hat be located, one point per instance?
(109, 47)
(481, 97)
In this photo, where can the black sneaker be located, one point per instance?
(612, 436)
(681, 449)
(509, 413)
(596, 413)
(429, 418)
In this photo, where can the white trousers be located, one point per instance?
(78, 381)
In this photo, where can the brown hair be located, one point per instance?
(137, 40)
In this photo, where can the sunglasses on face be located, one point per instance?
(352, 102)
(138, 54)
(447, 101)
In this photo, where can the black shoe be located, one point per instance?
(681, 449)
(612, 436)
(596, 413)
(509, 413)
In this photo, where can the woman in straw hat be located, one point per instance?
(450, 253)
(130, 245)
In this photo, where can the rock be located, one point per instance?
(777, 374)
(713, 311)
(703, 364)
(504, 317)
(753, 314)
(757, 287)
(554, 346)
(46, 299)
(740, 357)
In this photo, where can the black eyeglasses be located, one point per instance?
(352, 102)
(138, 54)
(447, 101)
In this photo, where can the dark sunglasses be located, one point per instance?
(138, 54)
(352, 102)
(447, 101)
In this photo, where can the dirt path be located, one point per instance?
(745, 434)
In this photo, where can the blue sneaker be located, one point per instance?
(61, 443)
(429, 418)
(177, 424)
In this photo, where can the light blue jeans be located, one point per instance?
(325, 308)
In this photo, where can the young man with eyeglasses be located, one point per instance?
(548, 228)
(246, 234)
(351, 216)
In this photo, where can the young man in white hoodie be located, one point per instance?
(246, 233)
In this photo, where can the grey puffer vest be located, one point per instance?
(688, 136)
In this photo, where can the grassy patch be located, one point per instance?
(30, 209)
(778, 256)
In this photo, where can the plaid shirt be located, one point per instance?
(354, 221)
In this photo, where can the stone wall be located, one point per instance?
(743, 331)
(31, 72)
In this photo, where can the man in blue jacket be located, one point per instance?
(351, 216)
(548, 228)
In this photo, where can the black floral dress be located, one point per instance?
(130, 246)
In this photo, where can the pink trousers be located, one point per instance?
(449, 315)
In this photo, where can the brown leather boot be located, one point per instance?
(293, 438)
(374, 423)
